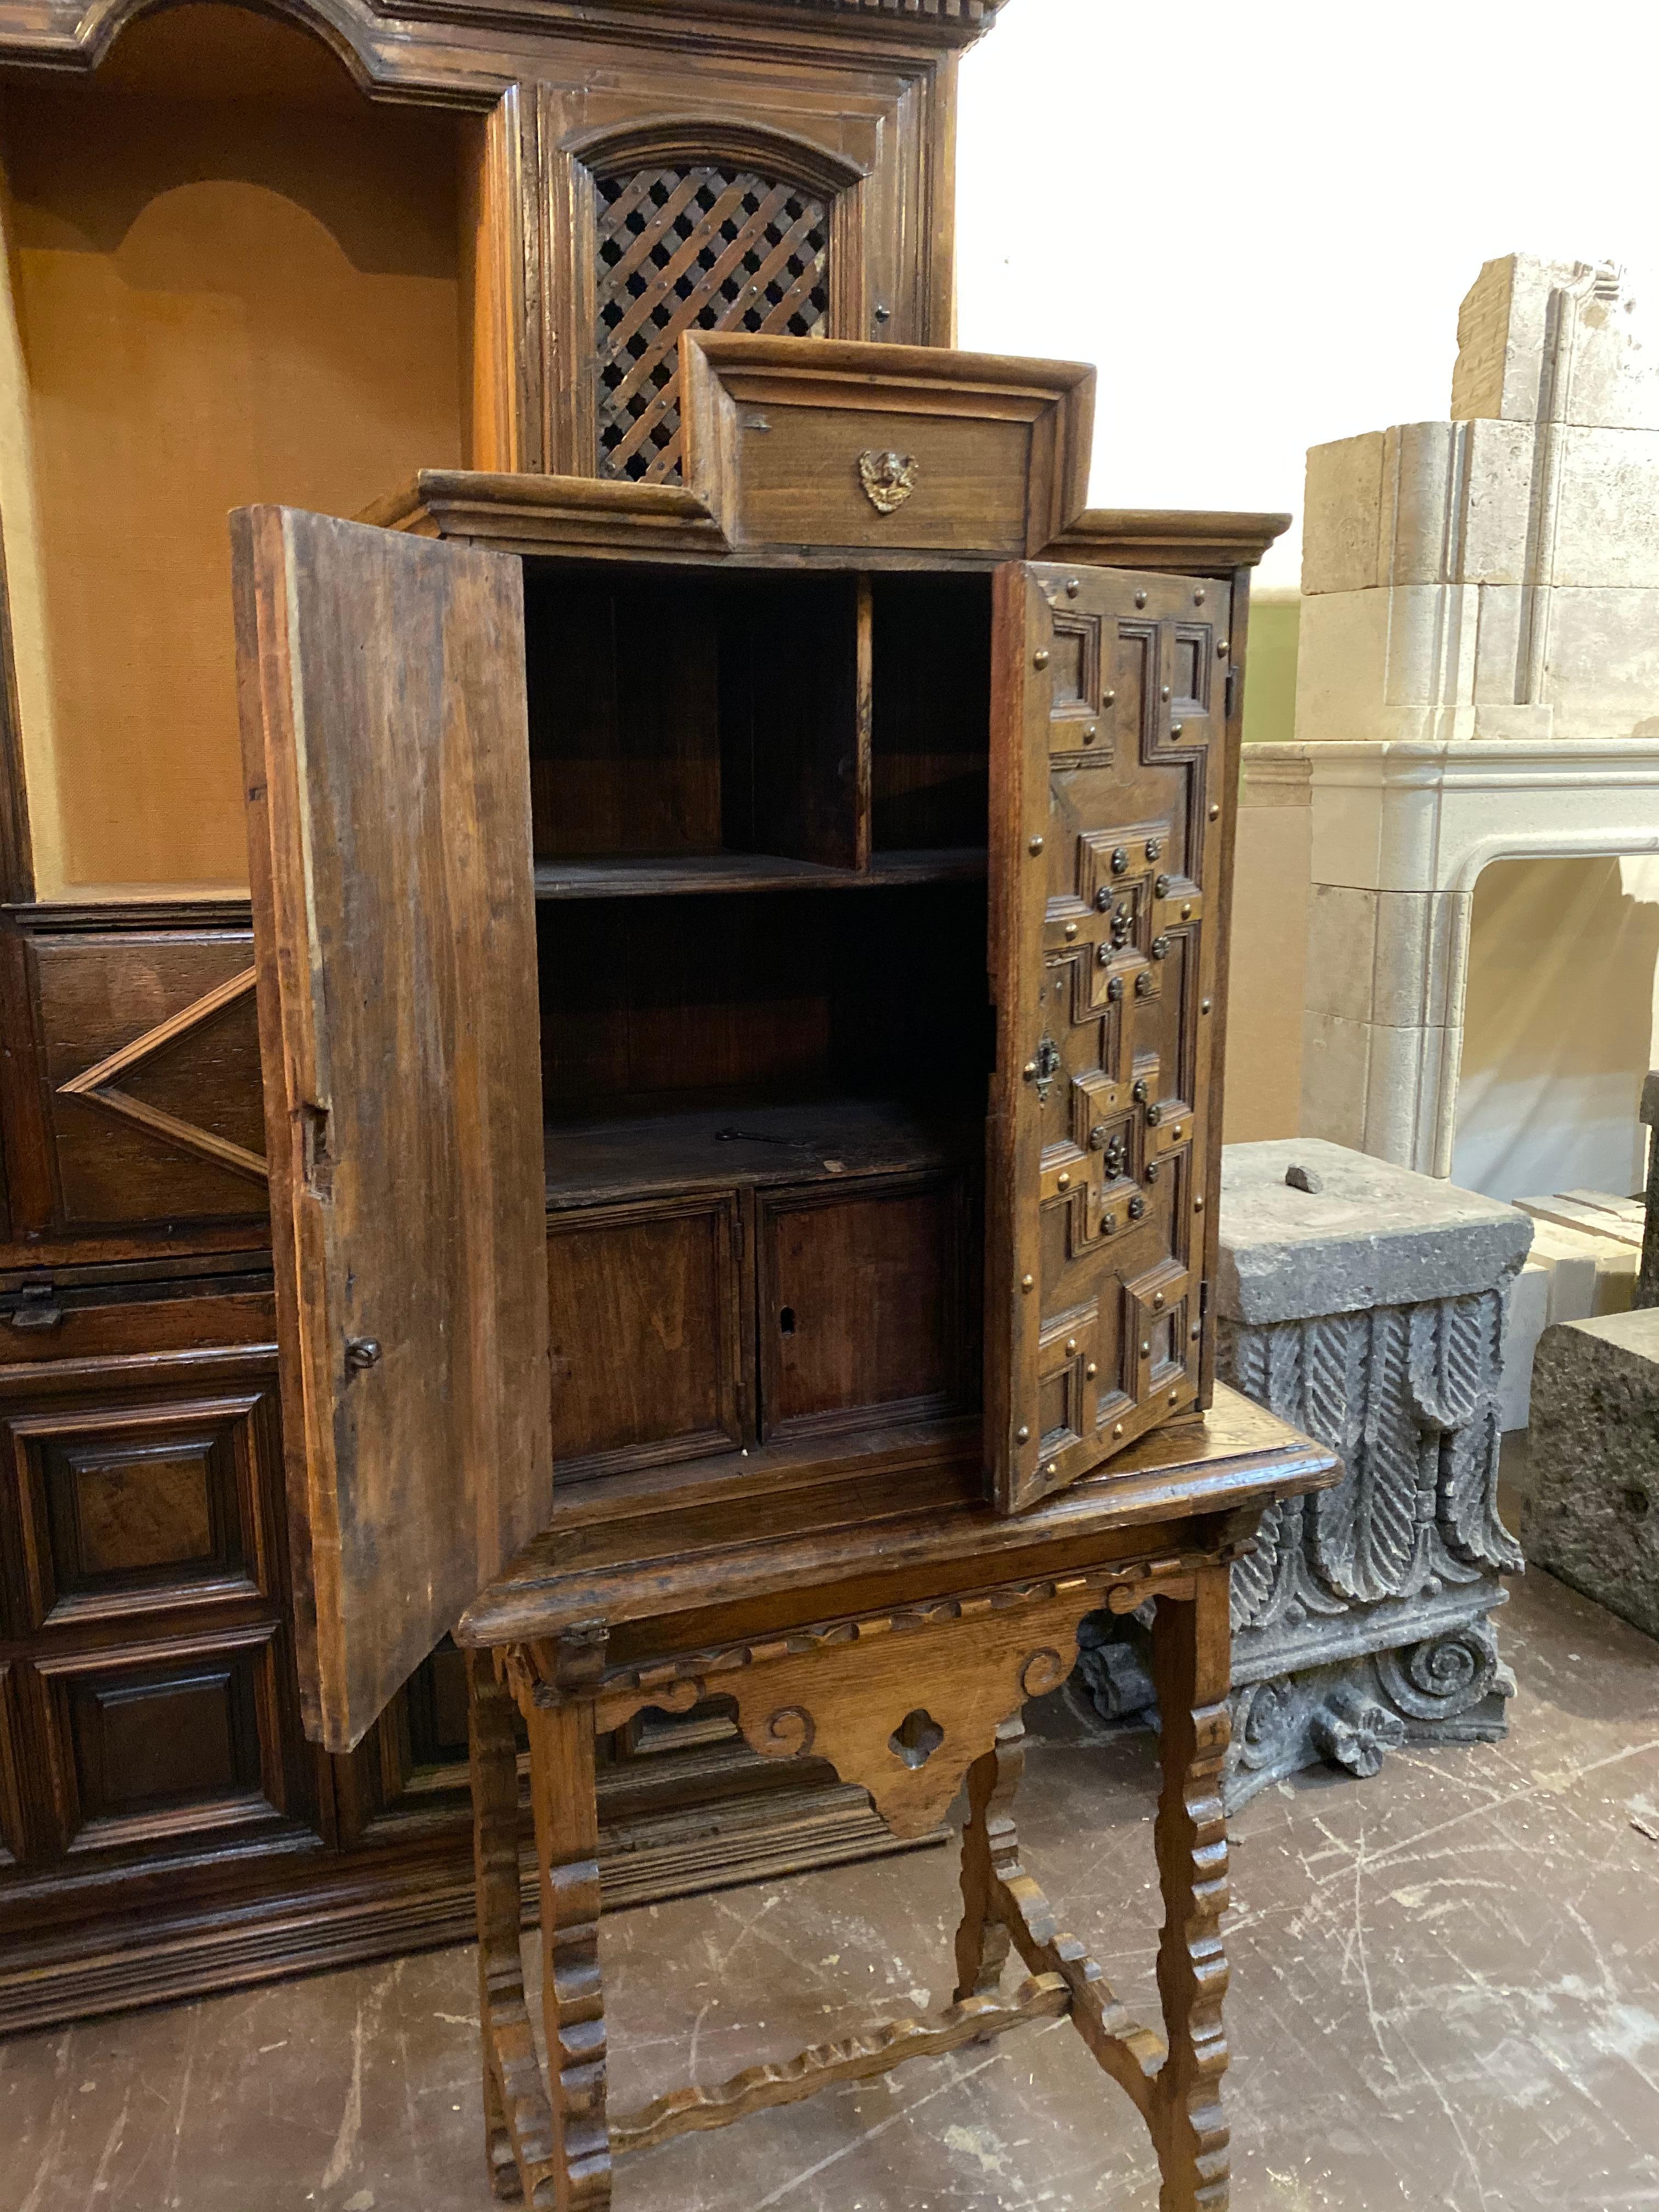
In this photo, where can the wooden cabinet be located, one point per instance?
(745, 1138)
(246, 261)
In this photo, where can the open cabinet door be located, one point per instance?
(1108, 747)
(387, 758)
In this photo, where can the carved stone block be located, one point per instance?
(1592, 1507)
(1371, 1314)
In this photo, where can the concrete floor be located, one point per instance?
(1445, 1993)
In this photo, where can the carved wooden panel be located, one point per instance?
(1110, 707)
(164, 1742)
(150, 1060)
(692, 247)
(649, 1359)
(863, 1310)
(137, 1506)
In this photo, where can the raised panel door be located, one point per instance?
(1107, 733)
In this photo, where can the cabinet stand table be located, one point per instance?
(898, 1640)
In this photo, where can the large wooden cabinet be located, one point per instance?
(270, 255)
(647, 1125)
(252, 257)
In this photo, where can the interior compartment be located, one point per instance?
(930, 711)
(680, 715)
(689, 1040)
(233, 278)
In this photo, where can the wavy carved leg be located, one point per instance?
(1192, 1663)
(573, 2000)
(518, 2122)
(990, 1854)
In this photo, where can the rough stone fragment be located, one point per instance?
(1592, 1510)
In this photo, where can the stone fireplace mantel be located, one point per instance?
(1399, 833)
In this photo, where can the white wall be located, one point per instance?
(1259, 221)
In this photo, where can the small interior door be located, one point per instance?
(386, 759)
(1108, 743)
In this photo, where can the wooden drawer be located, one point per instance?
(645, 1304)
(864, 1307)
(885, 448)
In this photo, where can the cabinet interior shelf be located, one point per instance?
(661, 875)
(657, 1151)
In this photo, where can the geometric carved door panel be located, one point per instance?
(1108, 743)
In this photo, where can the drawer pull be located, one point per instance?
(887, 479)
(37, 1307)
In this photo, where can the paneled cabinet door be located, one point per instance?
(1109, 744)
(386, 754)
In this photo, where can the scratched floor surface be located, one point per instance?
(1445, 1993)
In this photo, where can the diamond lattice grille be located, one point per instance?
(694, 249)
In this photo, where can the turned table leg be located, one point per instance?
(562, 1790)
(1191, 1666)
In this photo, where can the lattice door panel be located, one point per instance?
(1115, 685)
(707, 248)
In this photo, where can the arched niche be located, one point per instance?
(232, 278)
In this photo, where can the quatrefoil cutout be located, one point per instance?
(916, 1738)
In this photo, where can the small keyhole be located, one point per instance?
(786, 1320)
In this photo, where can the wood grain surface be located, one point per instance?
(384, 740)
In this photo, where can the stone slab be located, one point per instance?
(1375, 1235)
(1592, 1511)
(1529, 1318)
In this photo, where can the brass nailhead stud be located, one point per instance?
(1186, 911)
(1071, 931)
(1109, 1223)
(1174, 1396)
(1029, 1071)
(1091, 732)
(1040, 658)
(1204, 1005)
(1221, 649)
(1022, 1436)
(1062, 1182)
(1091, 1372)
(1146, 1351)
(1036, 846)
(1175, 728)
(1179, 1134)
(1198, 597)
(1117, 1430)
(1027, 1282)
(1194, 1332)
(1215, 814)
(1072, 587)
(1050, 1470)
(1108, 698)
(1140, 598)
(1164, 692)
(1198, 1203)
(1071, 1345)
(1157, 1301)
